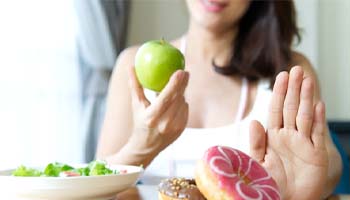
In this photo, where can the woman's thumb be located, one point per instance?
(137, 92)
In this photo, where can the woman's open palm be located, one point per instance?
(293, 149)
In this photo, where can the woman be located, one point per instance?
(234, 50)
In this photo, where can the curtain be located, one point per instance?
(102, 35)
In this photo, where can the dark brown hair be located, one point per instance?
(262, 47)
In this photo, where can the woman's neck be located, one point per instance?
(209, 44)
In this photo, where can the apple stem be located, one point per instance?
(162, 40)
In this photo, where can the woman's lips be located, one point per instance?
(213, 5)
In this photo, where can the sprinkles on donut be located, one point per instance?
(179, 188)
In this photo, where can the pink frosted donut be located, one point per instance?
(227, 173)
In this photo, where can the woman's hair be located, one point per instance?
(262, 47)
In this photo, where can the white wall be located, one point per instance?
(156, 19)
(325, 41)
(307, 16)
(334, 56)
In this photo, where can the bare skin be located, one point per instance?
(128, 154)
(294, 145)
(296, 150)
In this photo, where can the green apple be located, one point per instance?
(155, 62)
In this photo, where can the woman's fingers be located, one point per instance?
(164, 122)
(319, 125)
(291, 103)
(175, 88)
(277, 101)
(181, 118)
(257, 140)
(305, 114)
(179, 123)
(176, 120)
(136, 89)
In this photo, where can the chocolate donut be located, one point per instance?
(179, 188)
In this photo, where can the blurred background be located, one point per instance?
(56, 58)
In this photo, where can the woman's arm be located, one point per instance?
(117, 126)
(134, 130)
(335, 163)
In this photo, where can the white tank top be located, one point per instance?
(179, 158)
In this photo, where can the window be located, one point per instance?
(39, 83)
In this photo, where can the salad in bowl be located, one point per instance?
(95, 180)
(56, 169)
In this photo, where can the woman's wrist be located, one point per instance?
(134, 152)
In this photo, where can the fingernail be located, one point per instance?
(297, 70)
(182, 76)
(187, 75)
(281, 75)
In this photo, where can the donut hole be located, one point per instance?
(244, 178)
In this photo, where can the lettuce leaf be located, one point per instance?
(98, 168)
(24, 171)
(94, 168)
(54, 169)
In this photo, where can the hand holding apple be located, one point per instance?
(155, 62)
(157, 125)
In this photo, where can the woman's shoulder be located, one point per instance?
(299, 59)
(127, 56)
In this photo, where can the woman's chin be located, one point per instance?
(213, 24)
(212, 21)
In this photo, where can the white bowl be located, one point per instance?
(72, 188)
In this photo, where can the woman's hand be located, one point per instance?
(293, 150)
(157, 125)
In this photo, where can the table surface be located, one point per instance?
(149, 192)
(141, 192)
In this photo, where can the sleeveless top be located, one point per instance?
(179, 158)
